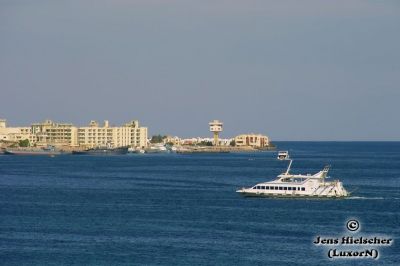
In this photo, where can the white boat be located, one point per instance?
(156, 148)
(283, 155)
(133, 150)
(297, 186)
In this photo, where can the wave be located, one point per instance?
(367, 198)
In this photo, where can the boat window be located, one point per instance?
(284, 188)
(289, 188)
(258, 187)
(262, 187)
(267, 187)
(303, 189)
(280, 188)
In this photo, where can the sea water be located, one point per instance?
(182, 209)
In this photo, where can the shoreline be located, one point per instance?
(224, 149)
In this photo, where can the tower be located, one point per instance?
(3, 123)
(216, 127)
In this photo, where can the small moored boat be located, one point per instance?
(49, 150)
(103, 151)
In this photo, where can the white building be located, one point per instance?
(197, 140)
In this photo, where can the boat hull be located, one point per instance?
(32, 153)
(156, 151)
(117, 151)
(290, 196)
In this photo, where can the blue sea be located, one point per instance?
(182, 209)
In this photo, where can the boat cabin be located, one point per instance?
(283, 155)
(280, 187)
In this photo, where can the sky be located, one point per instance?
(293, 70)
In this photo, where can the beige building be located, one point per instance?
(66, 134)
(15, 134)
(56, 134)
(174, 140)
(252, 140)
(129, 134)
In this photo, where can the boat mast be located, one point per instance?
(288, 169)
(325, 172)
